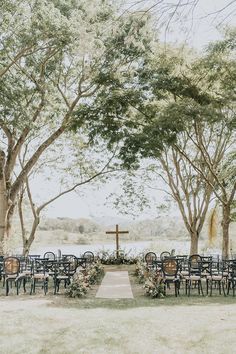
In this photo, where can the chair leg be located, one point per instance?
(24, 282)
(164, 289)
(55, 286)
(223, 287)
(198, 287)
(17, 287)
(186, 287)
(189, 286)
(45, 286)
(201, 288)
(219, 287)
(7, 287)
(211, 287)
(58, 285)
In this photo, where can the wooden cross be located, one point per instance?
(117, 233)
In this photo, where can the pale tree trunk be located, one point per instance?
(3, 203)
(225, 229)
(27, 242)
(194, 243)
(3, 216)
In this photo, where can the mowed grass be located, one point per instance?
(40, 324)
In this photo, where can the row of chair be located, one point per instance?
(193, 271)
(38, 271)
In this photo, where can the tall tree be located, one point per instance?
(184, 93)
(69, 50)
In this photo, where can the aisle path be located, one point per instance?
(115, 285)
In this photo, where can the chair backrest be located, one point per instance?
(194, 259)
(49, 255)
(195, 263)
(73, 261)
(11, 266)
(150, 257)
(41, 265)
(62, 268)
(232, 270)
(81, 262)
(170, 267)
(89, 256)
(164, 255)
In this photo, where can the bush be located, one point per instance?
(110, 258)
(152, 280)
(78, 287)
(83, 279)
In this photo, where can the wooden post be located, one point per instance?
(117, 233)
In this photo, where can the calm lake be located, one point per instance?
(132, 248)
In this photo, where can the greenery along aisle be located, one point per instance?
(83, 280)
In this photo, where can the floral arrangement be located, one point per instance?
(141, 271)
(110, 258)
(83, 280)
(152, 280)
(79, 286)
(154, 286)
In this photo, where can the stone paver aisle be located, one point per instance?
(115, 285)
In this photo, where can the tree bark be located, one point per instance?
(27, 242)
(225, 229)
(194, 243)
(3, 216)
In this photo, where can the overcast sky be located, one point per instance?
(197, 30)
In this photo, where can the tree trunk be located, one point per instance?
(26, 248)
(3, 216)
(225, 231)
(194, 243)
(27, 243)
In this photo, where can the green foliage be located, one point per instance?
(106, 257)
(152, 280)
(82, 280)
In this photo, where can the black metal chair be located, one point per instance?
(49, 255)
(150, 257)
(170, 270)
(73, 262)
(219, 276)
(194, 273)
(11, 273)
(89, 256)
(40, 275)
(232, 278)
(63, 273)
(164, 255)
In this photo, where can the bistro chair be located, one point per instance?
(150, 257)
(89, 256)
(49, 255)
(62, 273)
(11, 273)
(219, 276)
(73, 260)
(170, 270)
(40, 275)
(232, 278)
(164, 255)
(194, 276)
